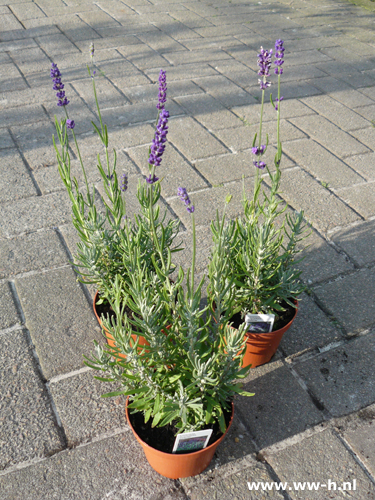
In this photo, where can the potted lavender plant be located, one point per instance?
(180, 389)
(110, 243)
(261, 277)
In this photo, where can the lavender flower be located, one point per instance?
(279, 48)
(124, 182)
(58, 85)
(182, 193)
(260, 164)
(70, 124)
(92, 50)
(278, 100)
(109, 177)
(264, 63)
(158, 144)
(258, 151)
(152, 179)
(162, 89)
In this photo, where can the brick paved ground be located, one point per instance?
(312, 418)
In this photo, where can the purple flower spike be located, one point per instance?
(70, 124)
(260, 164)
(264, 63)
(162, 89)
(158, 144)
(182, 193)
(278, 100)
(258, 151)
(152, 180)
(124, 183)
(279, 55)
(58, 85)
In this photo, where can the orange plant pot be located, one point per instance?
(174, 465)
(110, 340)
(260, 347)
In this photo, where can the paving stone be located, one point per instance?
(9, 22)
(55, 308)
(321, 260)
(343, 379)
(26, 11)
(272, 384)
(78, 111)
(321, 208)
(11, 79)
(107, 94)
(22, 34)
(28, 427)
(15, 180)
(360, 198)
(233, 484)
(83, 413)
(328, 135)
(34, 251)
(219, 41)
(347, 73)
(9, 313)
(98, 19)
(35, 142)
(337, 113)
(142, 56)
(362, 442)
(358, 242)
(310, 329)
(7, 46)
(55, 45)
(290, 108)
(31, 60)
(349, 299)
(225, 168)
(29, 214)
(174, 170)
(192, 139)
(314, 158)
(366, 136)
(185, 72)
(190, 19)
(131, 26)
(160, 42)
(230, 29)
(225, 91)
(113, 467)
(210, 112)
(21, 115)
(320, 458)
(80, 33)
(342, 91)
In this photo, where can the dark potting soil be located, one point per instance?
(163, 438)
(105, 309)
(281, 318)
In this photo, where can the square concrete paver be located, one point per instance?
(361, 438)
(343, 379)
(322, 459)
(83, 413)
(271, 414)
(28, 428)
(350, 299)
(358, 242)
(60, 321)
(9, 314)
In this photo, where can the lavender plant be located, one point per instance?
(260, 273)
(111, 244)
(189, 373)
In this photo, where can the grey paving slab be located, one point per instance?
(30, 214)
(9, 22)
(321, 208)
(347, 73)
(98, 19)
(35, 142)
(11, 78)
(17, 44)
(314, 158)
(113, 468)
(31, 252)
(77, 110)
(6, 140)
(56, 44)
(228, 167)
(289, 108)
(349, 299)
(358, 242)
(56, 309)
(26, 11)
(22, 34)
(330, 136)
(15, 179)
(22, 115)
(227, 92)
(272, 383)
(9, 313)
(310, 329)
(320, 458)
(321, 260)
(360, 198)
(28, 427)
(174, 170)
(190, 19)
(161, 42)
(31, 60)
(192, 139)
(83, 413)
(366, 136)
(144, 93)
(108, 95)
(210, 112)
(142, 56)
(185, 72)
(361, 441)
(343, 378)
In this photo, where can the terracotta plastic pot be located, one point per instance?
(260, 347)
(174, 465)
(110, 340)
